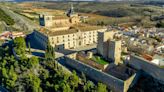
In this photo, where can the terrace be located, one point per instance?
(99, 60)
(92, 60)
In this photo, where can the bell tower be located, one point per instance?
(71, 12)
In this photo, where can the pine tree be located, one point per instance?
(83, 78)
(101, 88)
(49, 52)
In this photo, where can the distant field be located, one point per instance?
(106, 9)
(107, 13)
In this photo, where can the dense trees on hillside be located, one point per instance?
(39, 74)
(7, 19)
(12, 71)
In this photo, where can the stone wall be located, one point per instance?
(117, 85)
(131, 81)
(40, 39)
(148, 67)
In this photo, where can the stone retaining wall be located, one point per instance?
(117, 85)
(148, 67)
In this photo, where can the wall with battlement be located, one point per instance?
(117, 85)
(148, 67)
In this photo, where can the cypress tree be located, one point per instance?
(49, 52)
(29, 47)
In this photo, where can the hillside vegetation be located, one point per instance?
(34, 74)
(7, 19)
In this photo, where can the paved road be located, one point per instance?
(20, 20)
(40, 53)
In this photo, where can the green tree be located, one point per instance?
(8, 77)
(48, 85)
(74, 80)
(29, 47)
(20, 45)
(33, 62)
(49, 53)
(56, 87)
(12, 77)
(101, 88)
(84, 80)
(34, 83)
(66, 87)
(4, 73)
(88, 87)
(12, 73)
(44, 74)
